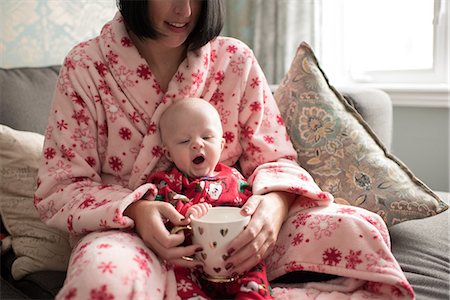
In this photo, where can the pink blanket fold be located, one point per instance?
(320, 242)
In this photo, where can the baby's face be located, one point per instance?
(193, 141)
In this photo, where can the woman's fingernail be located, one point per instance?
(199, 249)
(230, 251)
(228, 266)
(182, 219)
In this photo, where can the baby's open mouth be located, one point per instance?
(198, 160)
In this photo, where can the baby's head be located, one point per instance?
(191, 133)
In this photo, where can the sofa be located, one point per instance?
(421, 246)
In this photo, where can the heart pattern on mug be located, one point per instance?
(217, 270)
(213, 245)
(203, 255)
(224, 232)
(200, 230)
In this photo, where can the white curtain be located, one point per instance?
(273, 29)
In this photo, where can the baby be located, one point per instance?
(191, 133)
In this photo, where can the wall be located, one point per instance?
(421, 139)
(41, 32)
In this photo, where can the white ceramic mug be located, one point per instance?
(213, 232)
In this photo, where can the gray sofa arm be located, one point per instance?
(375, 106)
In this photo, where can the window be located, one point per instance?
(389, 43)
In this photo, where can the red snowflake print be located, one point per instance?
(125, 133)
(49, 153)
(101, 68)
(197, 78)
(269, 139)
(87, 202)
(106, 267)
(91, 161)
(104, 87)
(237, 66)
(280, 120)
(144, 72)
(219, 77)
(298, 238)
(152, 128)
(231, 49)
(101, 203)
(103, 224)
(255, 106)
(370, 219)
(115, 163)
(103, 129)
(61, 125)
(157, 151)
(293, 266)
(67, 153)
(303, 177)
(353, 259)
(247, 132)
(205, 60)
(217, 97)
(301, 219)
(144, 253)
(142, 264)
(379, 262)
(157, 87)
(76, 98)
(228, 136)
(70, 223)
(71, 294)
(331, 256)
(126, 42)
(134, 117)
(101, 294)
(69, 63)
(252, 149)
(213, 55)
(112, 58)
(118, 217)
(179, 76)
(80, 117)
(323, 226)
(83, 136)
(255, 82)
(346, 210)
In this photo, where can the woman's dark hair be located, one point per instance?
(209, 24)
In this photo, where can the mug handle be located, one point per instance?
(177, 229)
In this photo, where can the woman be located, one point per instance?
(102, 144)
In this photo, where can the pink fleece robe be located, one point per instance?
(102, 143)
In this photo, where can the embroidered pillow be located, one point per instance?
(341, 151)
(37, 247)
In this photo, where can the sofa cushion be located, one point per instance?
(36, 246)
(422, 249)
(25, 88)
(342, 152)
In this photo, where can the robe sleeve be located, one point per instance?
(269, 159)
(74, 192)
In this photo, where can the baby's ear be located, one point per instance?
(222, 144)
(167, 153)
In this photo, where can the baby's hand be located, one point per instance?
(198, 210)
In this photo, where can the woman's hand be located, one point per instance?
(268, 212)
(149, 219)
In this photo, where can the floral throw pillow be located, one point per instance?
(340, 150)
